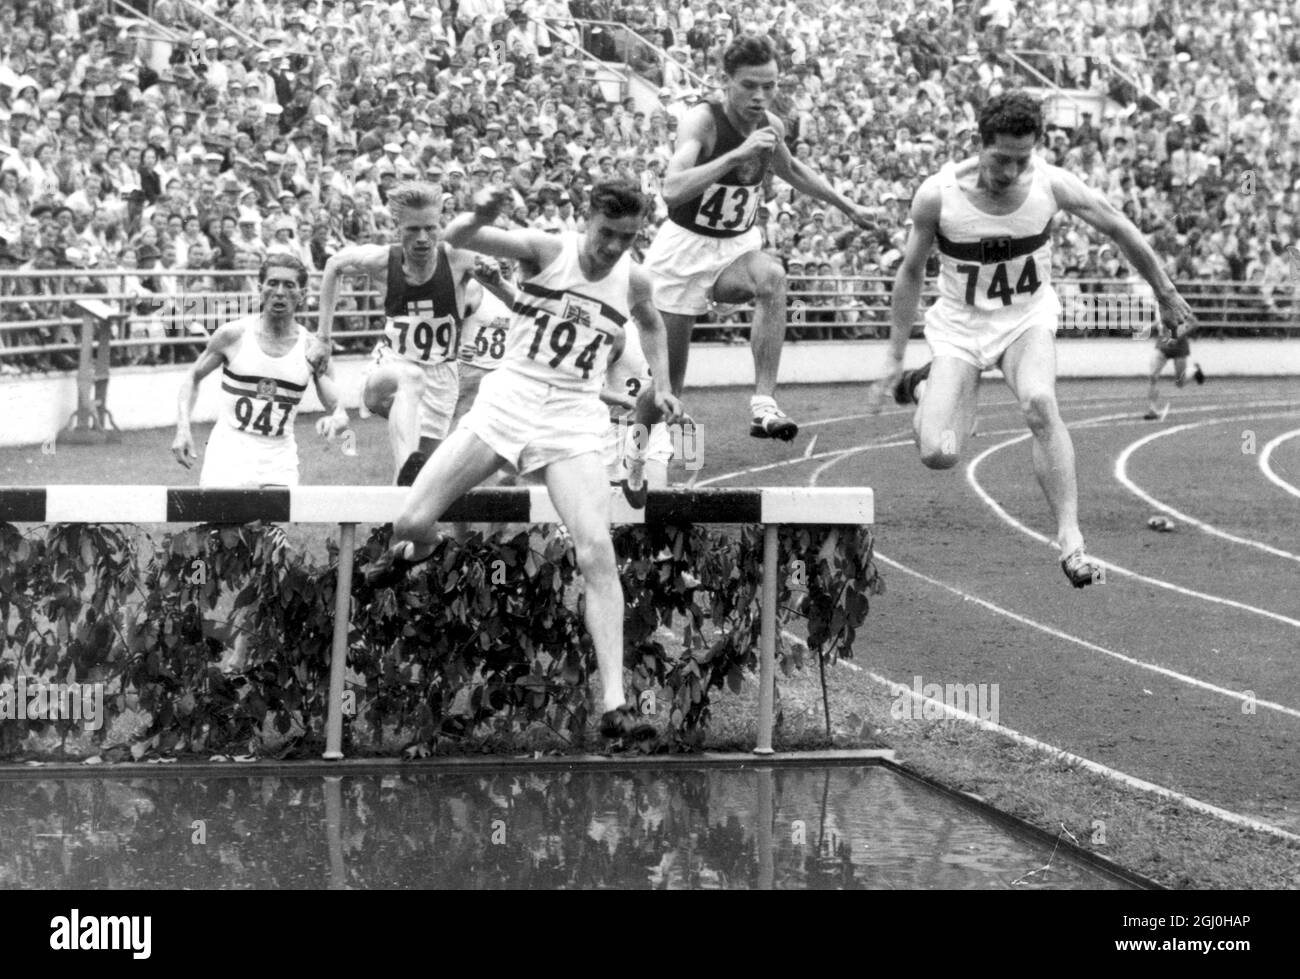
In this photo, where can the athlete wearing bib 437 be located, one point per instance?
(540, 411)
(708, 252)
(990, 219)
(264, 375)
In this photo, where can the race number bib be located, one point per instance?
(572, 343)
(488, 343)
(999, 280)
(724, 207)
(421, 336)
(262, 415)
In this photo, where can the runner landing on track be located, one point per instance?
(990, 217)
(708, 252)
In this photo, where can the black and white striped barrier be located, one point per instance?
(348, 506)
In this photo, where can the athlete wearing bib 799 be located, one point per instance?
(990, 218)
(540, 411)
(413, 381)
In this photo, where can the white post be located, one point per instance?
(339, 656)
(767, 643)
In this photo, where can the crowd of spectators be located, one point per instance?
(282, 125)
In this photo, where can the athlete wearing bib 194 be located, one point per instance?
(708, 252)
(541, 412)
(413, 382)
(264, 376)
(989, 218)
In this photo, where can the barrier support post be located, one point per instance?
(767, 643)
(339, 656)
(78, 429)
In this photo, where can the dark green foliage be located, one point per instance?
(488, 635)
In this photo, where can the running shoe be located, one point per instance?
(1151, 415)
(411, 468)
(905, 390)
(624, 724)
(1198, 375)
(634, 484)
(391, 566)
(1081, 569)
(770, 422)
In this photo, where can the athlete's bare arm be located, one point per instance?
(684, 179)
(474, 231)
(907, 286)
(214, 355)
(372, 259)
(654, 343)
(1073, 195)
(332, 424)
(808, 181)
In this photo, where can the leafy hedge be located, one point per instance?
(487, 636)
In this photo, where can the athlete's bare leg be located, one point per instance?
(1158, 361)
(761, 278)
(393, 391)
(945, 413)
(580, 492)
(461, 463)
(1030, 368)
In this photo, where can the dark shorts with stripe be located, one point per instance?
(1174, 348)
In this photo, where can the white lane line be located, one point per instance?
(1057, 633)
(1121, 474)
(1266, 464)
(904, 437)
(1002, 514)
(1060, 754)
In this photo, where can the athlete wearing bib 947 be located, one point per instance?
(540, 411)
(414, 380)
(265, 373)
(990, 217)
(708, 252)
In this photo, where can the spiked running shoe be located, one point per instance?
(1081, 569)
(770, 422)
(411, 468)
(905, 390)
(623, 724)
(391, 566)
(633, 484)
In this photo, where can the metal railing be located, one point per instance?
(41, 314)
(630, 40)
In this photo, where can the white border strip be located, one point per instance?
(1266, 465)
(1121, 474)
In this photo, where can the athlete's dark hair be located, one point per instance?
(411, 196)
(619, 199)
(1011, 113)
(283, 260)
(747, 51)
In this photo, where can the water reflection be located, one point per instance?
(784, 828)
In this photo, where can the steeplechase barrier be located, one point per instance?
(347, 506)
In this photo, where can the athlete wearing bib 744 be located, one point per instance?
(540, 411)
(990, 217)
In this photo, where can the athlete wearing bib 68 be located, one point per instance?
(541, 412)
(990, 217)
